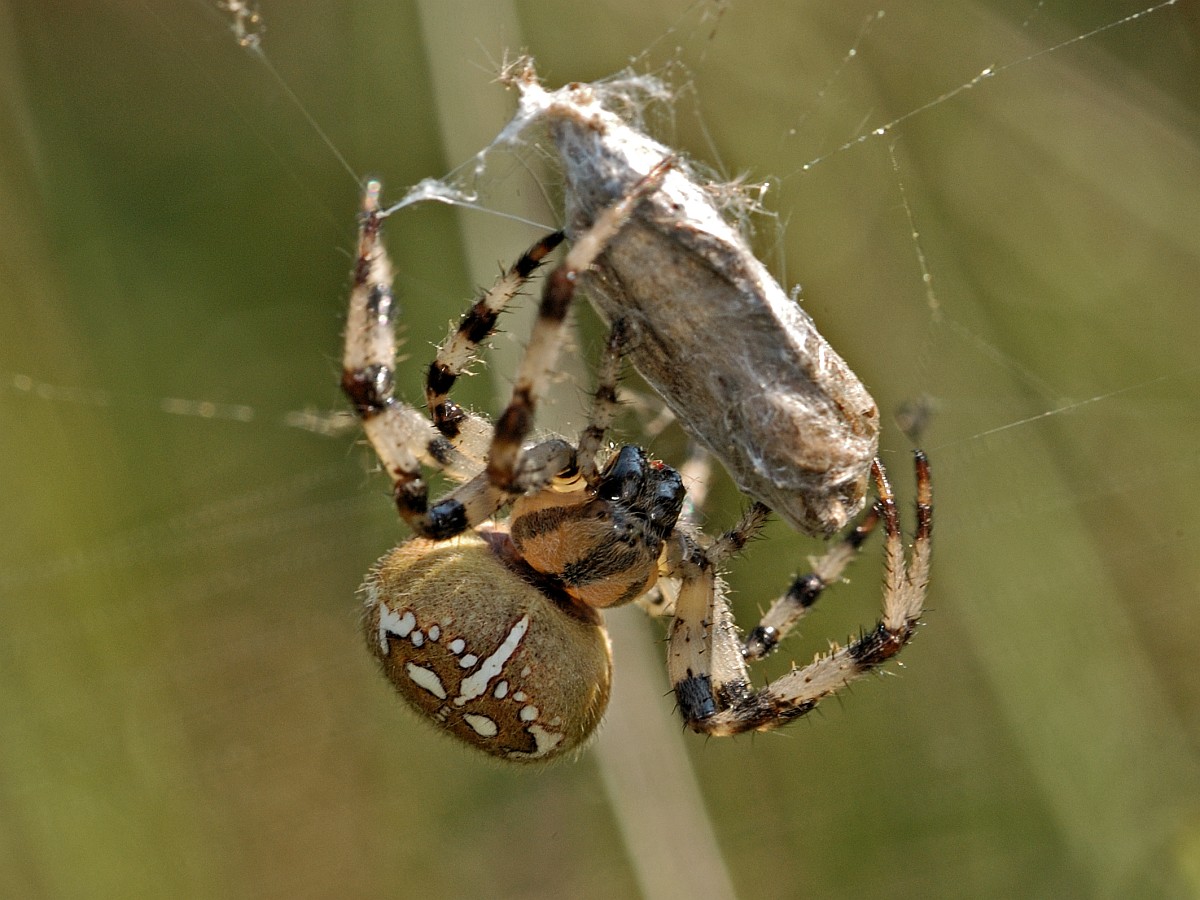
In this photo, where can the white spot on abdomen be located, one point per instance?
(482, 725)
(476, 683)
(391, 622)
(545, 740)
(427, 679)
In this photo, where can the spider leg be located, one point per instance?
(476, 501)
(400, 435)
(516, 422)
(604, 400)
(467, 431)
(787, 611)
(710, 676)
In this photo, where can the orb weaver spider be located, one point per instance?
(492, 628)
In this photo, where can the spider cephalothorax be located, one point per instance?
(492, 627)
(602, 546)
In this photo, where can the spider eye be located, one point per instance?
(668, 497)
(625, 477)
(667, 501)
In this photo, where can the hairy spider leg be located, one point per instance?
(787, 611)
(468, 431)
(604, 401)
(708, 672)
(401, 436)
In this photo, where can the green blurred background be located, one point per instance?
(185, 708)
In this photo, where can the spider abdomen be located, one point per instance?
(477, 649)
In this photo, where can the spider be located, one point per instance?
(492, 628)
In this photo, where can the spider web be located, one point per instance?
(991, 207)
